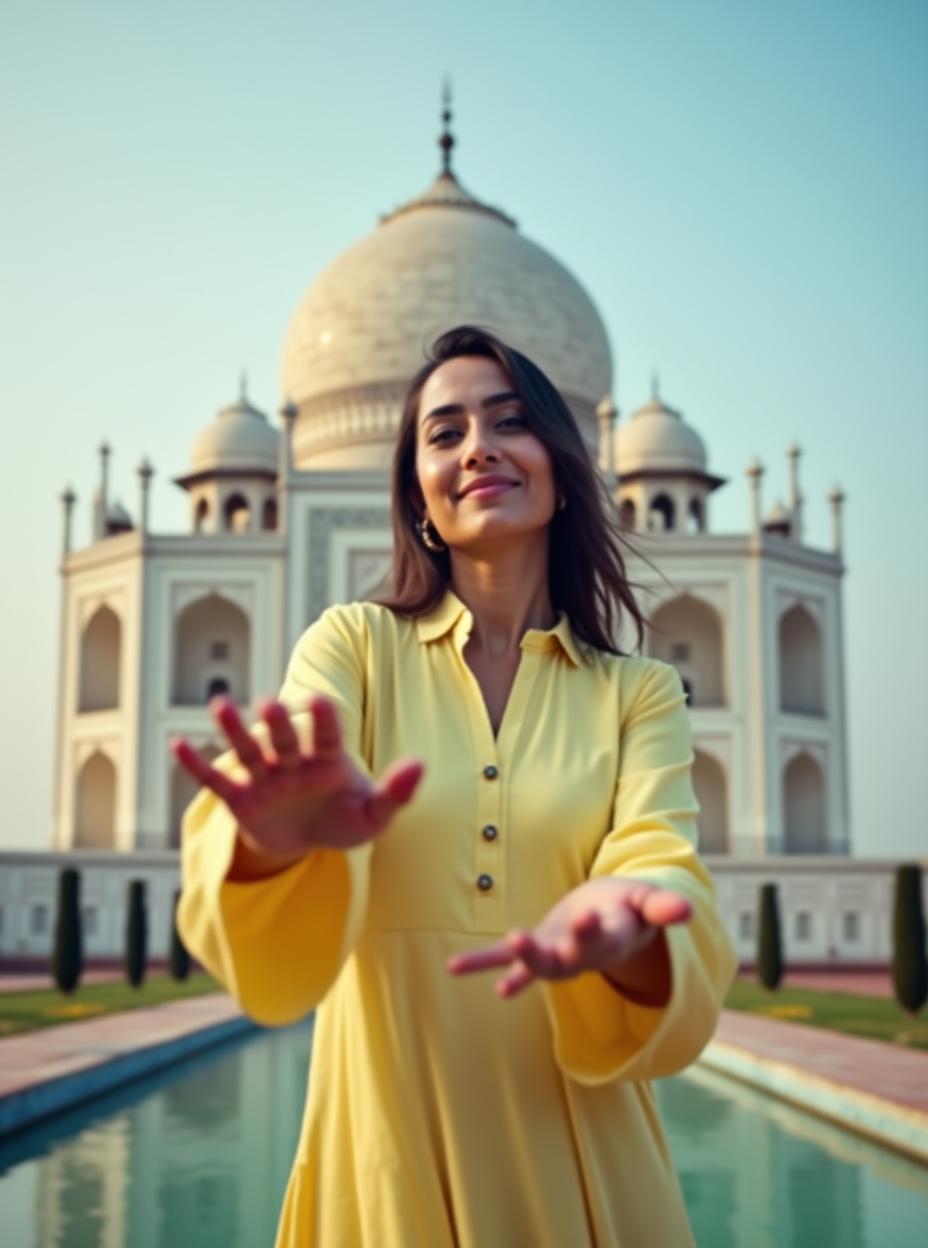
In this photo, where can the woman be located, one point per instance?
(469, 776)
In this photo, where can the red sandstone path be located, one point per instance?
(859, 983)
(890, 1072)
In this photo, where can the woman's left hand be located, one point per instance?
(602, 925)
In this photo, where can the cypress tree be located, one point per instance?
(67, 959)
(769, 946)
(136, 934)
(179, 961)
(910, 963)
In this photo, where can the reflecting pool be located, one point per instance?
(199, 1157)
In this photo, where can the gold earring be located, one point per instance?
(427, 539)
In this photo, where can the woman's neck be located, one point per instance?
(506, 595)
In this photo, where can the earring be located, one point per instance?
(427, 539)
(561, 502)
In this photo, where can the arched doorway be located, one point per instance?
(183, 790)
(688, 634)
(712, 794)
(804, 807)
(801, 676)
(95, 804)
(101, 646)
(212, 652)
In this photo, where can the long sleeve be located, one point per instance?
(598, 1033)
(278, 944)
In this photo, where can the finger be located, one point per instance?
(663, 908)
(486, 959)
(540, 957)
(326, 729)
(394, 789)
(283, 736)
(518, 979)
(249, 752)
(587, 927)
(202, 772)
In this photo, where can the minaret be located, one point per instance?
(795, 497)
(836, 498)
(288, 414)
(755, 470)
(68, 499)
(102, 502)
(607, 414)
(146, 472)
(446, 138)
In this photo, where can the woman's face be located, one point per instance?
(471, 428)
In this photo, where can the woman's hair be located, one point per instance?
(586, 570)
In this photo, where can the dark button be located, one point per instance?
(484, 882)
(490, 771)
(489, 832)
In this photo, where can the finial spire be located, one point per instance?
(243, 386)
(655, 385)
(446, 138)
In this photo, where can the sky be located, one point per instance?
(742, 188)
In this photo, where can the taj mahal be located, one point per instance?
(290, 514)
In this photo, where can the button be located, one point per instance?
(490, 833)
(490, 771)
(484, 882)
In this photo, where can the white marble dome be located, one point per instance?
(657, 438)
(238, 439)
(366, 322)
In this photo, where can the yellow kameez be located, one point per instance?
(438, 1114)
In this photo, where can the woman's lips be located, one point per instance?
(490, 491)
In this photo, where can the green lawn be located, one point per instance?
(25, 1011)
(874, 1018)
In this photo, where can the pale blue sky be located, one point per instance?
(742, 188)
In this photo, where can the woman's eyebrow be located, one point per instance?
(455, 409)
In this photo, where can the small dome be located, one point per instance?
(238, 439)
(656, 437)
(117, 514)
(777, 514)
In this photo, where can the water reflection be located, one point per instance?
(764, 1175)
(200, 1157)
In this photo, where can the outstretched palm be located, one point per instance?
(292, 801)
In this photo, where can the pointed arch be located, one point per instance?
(711, 787)
(101, 650)
(696, 516)
(269, 515)
(627, 514)
(236, 514)
(687, 632)
(95, 804)
(799, 643)
(183, 790)
(804, 806)
(212, 642)
(662, 514)
(201, 517)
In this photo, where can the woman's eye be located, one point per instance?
(440, 434)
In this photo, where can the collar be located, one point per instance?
(451, 614)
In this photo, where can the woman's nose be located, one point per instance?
(478, 446)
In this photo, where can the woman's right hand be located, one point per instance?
(292, 802)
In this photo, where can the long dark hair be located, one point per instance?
(586, 569)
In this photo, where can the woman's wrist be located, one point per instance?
(646, 978)
(252, 862)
